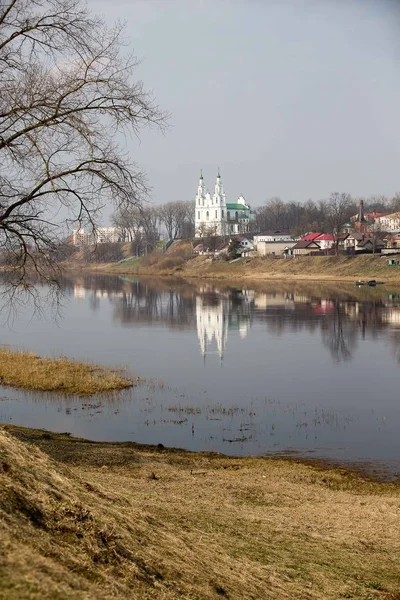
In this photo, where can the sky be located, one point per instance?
(290, 98)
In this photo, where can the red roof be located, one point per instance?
(310, 237)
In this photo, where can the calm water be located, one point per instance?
(278, 368)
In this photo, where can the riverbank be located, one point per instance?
(28, 371)
(85, 519)
(306, 268)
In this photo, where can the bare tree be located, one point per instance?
(276, 209)
(188, 225)
(149, 225)
(178, 218)
(338, 211)
(66, 94)
(138, 225)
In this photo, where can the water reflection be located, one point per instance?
(271, 367)
(343, 317)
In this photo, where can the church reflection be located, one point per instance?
(216, 315)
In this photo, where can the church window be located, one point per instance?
(198, 215)
(229, 215)
(222, 213)
(236, 214)
(216, 214)
(207, 215)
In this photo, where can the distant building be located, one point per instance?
(273, 236)
(102, 235)
(324, 240)
(215, 216)
(304, 247)
(274, 248)
(390, 223)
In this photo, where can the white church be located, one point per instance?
(214, 216)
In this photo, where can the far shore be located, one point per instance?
(307, 268)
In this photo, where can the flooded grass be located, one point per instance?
(28, 371)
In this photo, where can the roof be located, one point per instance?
(276, 232)
(274, 242)
(237, 207)
(395, 215)
(222, 246)
(310, 237)
(304, 244)
(364, 242)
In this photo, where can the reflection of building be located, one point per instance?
(79, 292)
(212, 324)
(391, 316)
(216, 315)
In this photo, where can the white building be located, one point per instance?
(388, 223)
(273, 236)
(217, 217)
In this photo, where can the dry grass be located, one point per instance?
(93, 520)
(28, 371)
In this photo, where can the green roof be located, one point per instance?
(237, 207)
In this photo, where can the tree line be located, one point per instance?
(327, 216)
(141, 225)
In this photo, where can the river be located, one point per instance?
(276, 367)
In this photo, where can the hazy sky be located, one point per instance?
(290, 98)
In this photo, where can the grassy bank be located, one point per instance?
(180, 262)
(28, 371)
(83, 519)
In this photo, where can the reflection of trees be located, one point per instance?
(145, 304)
(339, 335)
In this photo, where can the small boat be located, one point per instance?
(360, 282)
(371, 282)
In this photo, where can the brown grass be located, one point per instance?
(303, 268)
(26, 370)
(93, 520)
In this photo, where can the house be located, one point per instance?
(325, 240)
(246, 247)
(245, 243)
(304, 247)
(361, 242)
